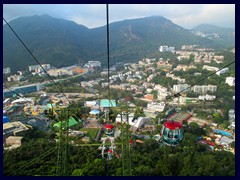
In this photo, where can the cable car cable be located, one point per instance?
(179, 93)
(13, 91)
(35, 59)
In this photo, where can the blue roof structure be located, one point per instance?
(107, 103)
(95, 111)
(224, 133)
(5, 119)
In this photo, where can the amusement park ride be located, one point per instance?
(171, 135)
(125, 144)
(172, 132)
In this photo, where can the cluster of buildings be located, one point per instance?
(136, 77)
(188, 47)
(15, 77)
(12, 134)
(70, 71)
(202, 56)
(181, 80)
(209, 35)
(182, 67)
(199, 89)
(38, 68)
(93, 64)
(60, 72)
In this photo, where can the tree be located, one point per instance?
(142, 170)
(138, 112)
(188, 168)
(225, 124)
(206, 164)
(155, 94)
(195, 129)
(232, 144)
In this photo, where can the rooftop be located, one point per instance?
(71, 122)
(107, 103)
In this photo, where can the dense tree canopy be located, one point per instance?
(148, 159)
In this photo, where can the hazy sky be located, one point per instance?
(90, 15)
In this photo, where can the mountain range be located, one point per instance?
(61, 42)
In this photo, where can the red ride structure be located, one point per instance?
(172, 132)
(109, 129)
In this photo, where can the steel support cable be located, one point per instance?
(35, 59)
(108, 60)
(108, 53)
(179, 93)
(13, 91)
(38, 63)
(35, 159)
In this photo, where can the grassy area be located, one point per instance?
(92, 132)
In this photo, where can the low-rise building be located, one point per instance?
(46, 67)
(166, 49)
(33, 67)
(232, 125)
(180, 87)
(184, 67)
(12, 128)
(210, 68)
(207, 97)
(218, 59)
(14, 140)
(22, 89)
(91, 104)
(180, 58)
(181, 80)
(230, 81)
(148, 97)
(197, 74)
(156, 107)
(105, 103)
(164, 65)
(60, 72)
(204, 88)
(222, 71)
(134, 123)
(6, 70)
(15, 77)
(93, 64)
(187, 47)
(231, 115)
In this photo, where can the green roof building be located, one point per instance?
(105, 103)
(71, 122)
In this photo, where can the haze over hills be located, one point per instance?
(208, 28)
(222, 35)
(61, 42)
